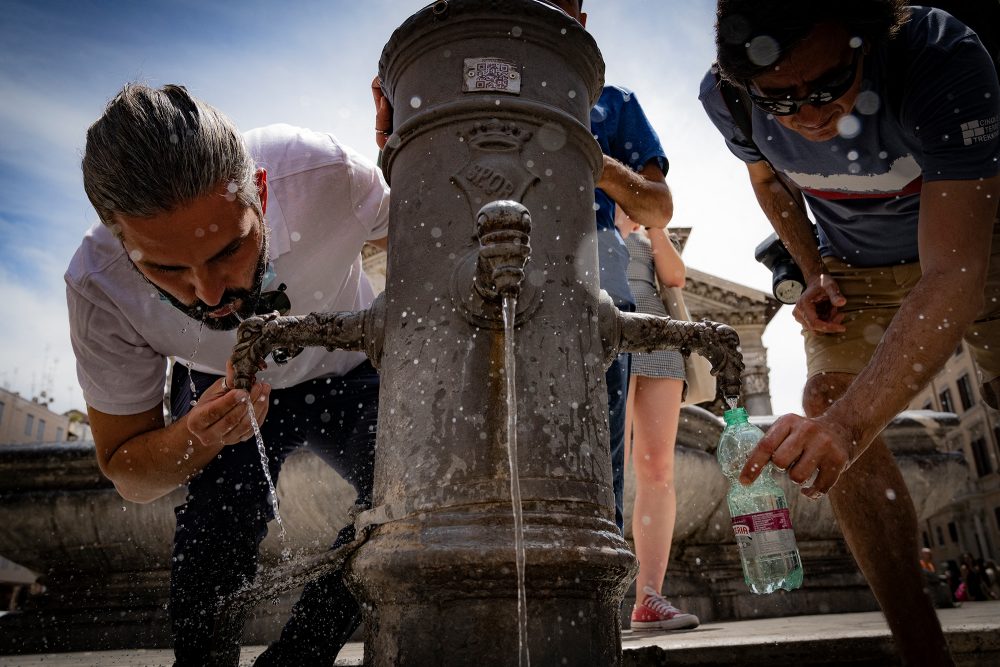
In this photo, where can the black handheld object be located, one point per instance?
(787, 280)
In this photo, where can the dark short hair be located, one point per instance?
(752, 35)
(154, 149)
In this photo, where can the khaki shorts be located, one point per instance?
(873, 297)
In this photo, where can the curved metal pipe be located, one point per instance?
(262, 335)
(638, 332)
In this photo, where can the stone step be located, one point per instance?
(857, 639)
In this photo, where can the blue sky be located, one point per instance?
(308, 64)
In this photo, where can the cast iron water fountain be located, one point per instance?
(491, 148)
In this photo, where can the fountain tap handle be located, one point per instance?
(250, 350)
(504, 229)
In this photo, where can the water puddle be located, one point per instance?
(509, 311)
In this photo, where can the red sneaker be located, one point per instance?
(655, 613)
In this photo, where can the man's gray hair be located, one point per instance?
(155, 149)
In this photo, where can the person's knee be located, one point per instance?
(653, 468)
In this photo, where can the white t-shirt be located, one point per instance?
(324, 201)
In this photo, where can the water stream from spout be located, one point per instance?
(190, 364)
(509, 311)
(267, 471)
(263, 462)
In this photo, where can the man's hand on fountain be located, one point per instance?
(383, 114)
(806, 448)
(817, 308)
(221, 416)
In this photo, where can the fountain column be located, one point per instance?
(491, 102)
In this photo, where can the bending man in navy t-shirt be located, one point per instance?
(893, 144)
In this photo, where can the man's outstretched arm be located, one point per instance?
(147, 460)
(955, 230)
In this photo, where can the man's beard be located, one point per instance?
(199, 311)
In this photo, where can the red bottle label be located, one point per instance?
(764, 533)
(758, 521)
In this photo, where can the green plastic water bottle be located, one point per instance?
(760, 515)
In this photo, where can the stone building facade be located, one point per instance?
(972, 522)
(26, 421)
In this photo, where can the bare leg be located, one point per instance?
(656, 409)
(874, 510)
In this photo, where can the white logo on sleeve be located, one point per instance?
(979, 131)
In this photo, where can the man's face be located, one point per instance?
(824, 57)
(207, 257)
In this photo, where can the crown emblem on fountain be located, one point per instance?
(494, 169)
(496, 135)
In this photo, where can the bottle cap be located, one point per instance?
(735, 416)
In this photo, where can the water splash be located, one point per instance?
(267, 471)
(731, 401)
(509, 311)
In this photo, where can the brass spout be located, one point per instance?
(503, 228)
(286, 337)
(638, 332)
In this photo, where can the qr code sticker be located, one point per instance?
(491, 74)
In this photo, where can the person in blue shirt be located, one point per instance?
(883, 119)
(634, 178)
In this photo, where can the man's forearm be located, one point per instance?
(151, 465)
(785, 210)
(644, 196)
(925, 331)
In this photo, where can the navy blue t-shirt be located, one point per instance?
(864, 189)
(624, 133)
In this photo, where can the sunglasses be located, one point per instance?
(825, 91)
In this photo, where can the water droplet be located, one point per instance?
(867, 102)
(763, 50)
(552, 136)
(849, 126)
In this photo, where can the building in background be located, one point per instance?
(29, 421)
(972, 522)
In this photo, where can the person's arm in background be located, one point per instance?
(383, 114)
(643, 195)
(669, 266)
